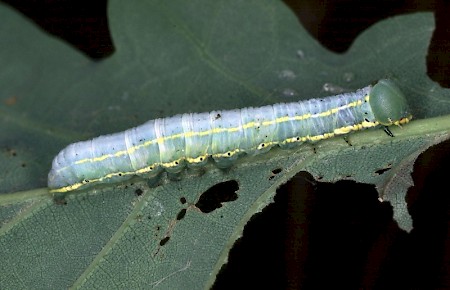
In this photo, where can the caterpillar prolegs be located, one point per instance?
(191, 139)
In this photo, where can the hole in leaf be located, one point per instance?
(383, 170)
(277, 170)
(181, 214)
(164, 241)
(214, 197)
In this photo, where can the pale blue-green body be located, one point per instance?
(173, 142)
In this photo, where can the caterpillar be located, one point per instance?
(192, 139)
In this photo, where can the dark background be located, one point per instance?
(330, 235)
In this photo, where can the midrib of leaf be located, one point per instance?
(131, 218)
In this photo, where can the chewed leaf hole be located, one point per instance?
(383, 170)
(181, 214)
(164, 241)
(213, 198)
(277, 170)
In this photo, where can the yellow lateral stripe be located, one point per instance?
(337, 131)
(221, 130)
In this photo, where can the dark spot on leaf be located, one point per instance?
(24, 165)
(174, 176)
(214, 197)
(60, 200)
(182, 200)
(138, 192)
(11, 152)
(347, 141)
(164, 241)
(181, 214)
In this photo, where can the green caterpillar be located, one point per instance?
(191, 139)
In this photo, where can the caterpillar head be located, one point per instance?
(388, 104)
